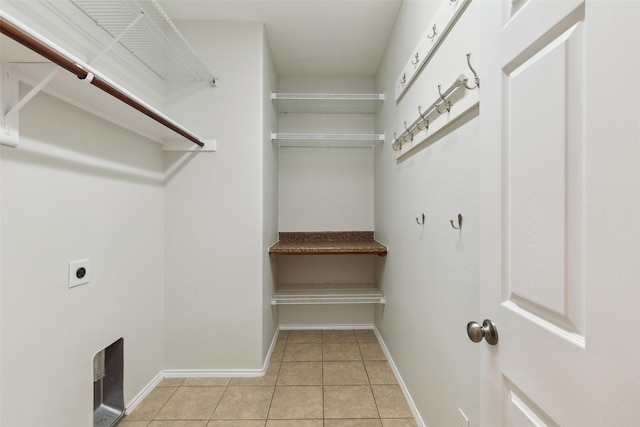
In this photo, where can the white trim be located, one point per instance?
(201, 373)
(324, 326)
(403, 387)
(133, 403)
(212, 373)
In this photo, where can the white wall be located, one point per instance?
(214, 209)
(270, 197)
(430, 275)
(77, 187)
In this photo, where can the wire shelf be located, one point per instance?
(145, 30)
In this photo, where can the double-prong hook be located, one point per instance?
(416, 59)
(459, 222)
(424, 119)
(477, 79)
(418, 220)
(444, 101)
(408, 131)
(395, 144)
(431, 36)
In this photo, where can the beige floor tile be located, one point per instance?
(236, 423)
(304, 337)
(178, 423)
(244, 403)
(133, 423)
(191, 403)
(340, 352)
(371, 422)
(171, 382)
(300, 373)
(269, 379)
(403, 422)
(391, 401)
(277, 352)
(366, 335)
(349, 402)
(294, 423)
(344, 373)
(151, 404)
(206, 382)
(338, 336)
(380, 372)
(372, 351)
(303, 353)
(282, 336)
(296, 402)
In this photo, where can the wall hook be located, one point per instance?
(477, 79)
(416, 59)
(408, 131)
(459, 222)
(403, 79)
(431, 36)
(395, 144)
(418, 220)
(444, 101)
(424, 119)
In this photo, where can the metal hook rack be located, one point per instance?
(440, 106)
(423, 118)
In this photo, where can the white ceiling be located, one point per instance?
(319, 38)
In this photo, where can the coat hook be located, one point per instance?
(444, 101)
(474, 74)
(430, 37)
(403, 79)
(416, 60)
(459, 222)
(418, 220)
(395, 144)
(408, 131)
(424, 119)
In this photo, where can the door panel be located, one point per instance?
(541, 231)
(542, 148)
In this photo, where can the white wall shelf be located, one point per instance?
(326, 140)
(32, 56)
(329, 103)
(359, 293)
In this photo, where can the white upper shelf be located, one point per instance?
(330, 103)
(145, 30)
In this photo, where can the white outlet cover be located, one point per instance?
(74, 268)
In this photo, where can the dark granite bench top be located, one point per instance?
(327, 243)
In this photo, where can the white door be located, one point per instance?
(560, 213)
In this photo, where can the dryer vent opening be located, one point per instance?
(108, 392)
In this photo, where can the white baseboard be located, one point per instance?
(326, 327)
(223, 373)
(201, 373)
(403, 387)
(143, 393)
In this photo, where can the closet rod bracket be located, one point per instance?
(11, 104)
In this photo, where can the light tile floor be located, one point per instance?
(314, 379)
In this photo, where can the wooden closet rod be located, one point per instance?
(57, 58)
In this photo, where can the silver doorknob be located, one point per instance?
(487, 330)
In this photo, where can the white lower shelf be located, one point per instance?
(328, 294)
(326, 140)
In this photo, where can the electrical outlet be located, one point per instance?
(78, 273)
(464, 421)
